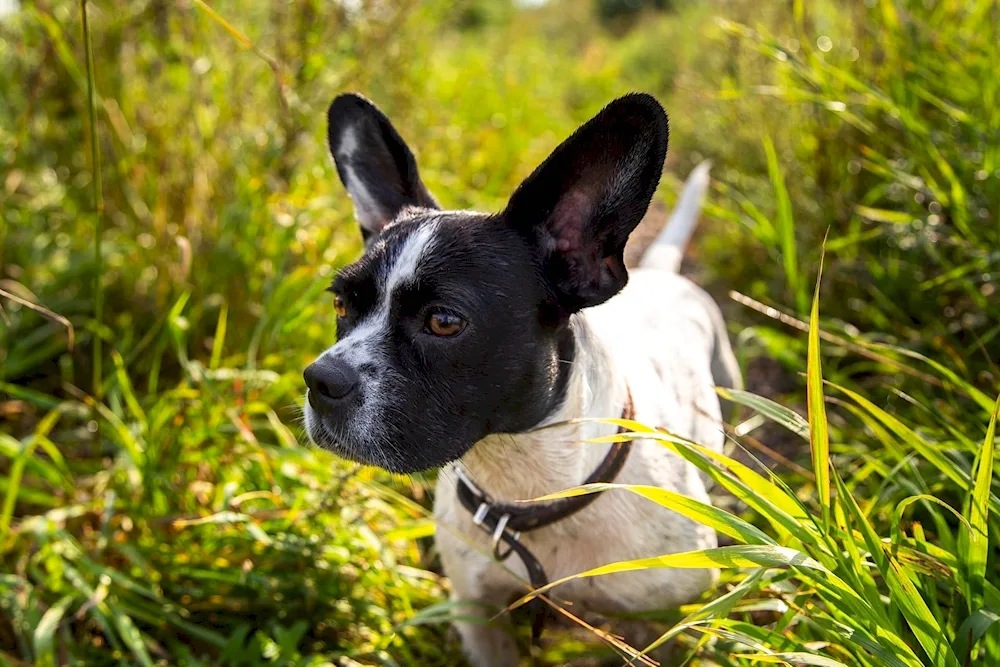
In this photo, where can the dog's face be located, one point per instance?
(455, 325)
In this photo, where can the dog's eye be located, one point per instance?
(443, 323)
(340, 306)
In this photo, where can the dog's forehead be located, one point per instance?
(415, 239)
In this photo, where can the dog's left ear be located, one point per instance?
(581, 204)
(374, 163)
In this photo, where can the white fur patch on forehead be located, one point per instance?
(407, 260)
(362, 345)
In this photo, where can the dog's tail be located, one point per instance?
(667, 250)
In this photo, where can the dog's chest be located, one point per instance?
(618, 526)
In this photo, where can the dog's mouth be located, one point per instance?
(323, 436)
(367, 446)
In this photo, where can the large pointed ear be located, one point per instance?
(581, 204)
(374, 163)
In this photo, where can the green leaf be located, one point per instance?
(219, 340)
(705, 514)
(413, 530)
(720, 557)
(42, 642)
(795, 658)
(902, 590)
(897, 514)
(776, 412)
(692, 451)
(719, 607)
(858, 567)
(973, 537)
(819, 437)
(786, 224)
(882, 215)
(972, 630)
(911, 438)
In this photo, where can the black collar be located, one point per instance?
(505, 522)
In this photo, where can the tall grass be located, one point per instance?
(848, 591)
(95, 170)
(157, 505)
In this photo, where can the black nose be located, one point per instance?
(330, 381)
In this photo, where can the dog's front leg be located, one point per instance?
(486, 642)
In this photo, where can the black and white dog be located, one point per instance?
(461, 333)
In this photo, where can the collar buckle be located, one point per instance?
(495, 527)
(500, 532)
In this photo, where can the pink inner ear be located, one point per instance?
(568, 219)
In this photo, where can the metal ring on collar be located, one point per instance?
(498, 534)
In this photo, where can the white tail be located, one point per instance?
(667, 250)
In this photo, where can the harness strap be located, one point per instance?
(505, 522)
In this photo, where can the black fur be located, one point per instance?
(515, 278)
(384, 162)
(581, 204)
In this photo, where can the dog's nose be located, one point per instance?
(329, 381)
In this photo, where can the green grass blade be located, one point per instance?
(819, 436)
(95, 166)
(786, 515)
(128, 393)
(857, 567)
(926, 628)
(692, 451)
(719, 607)
(721, 557)
(973, 536)
(219, 340)
(131, 636)
(42, 641)
(13, 485)
(897, 514)
(776, 412)
(794, 658)
(911, 438)
(785, 226)
(972, 630)
(705, 514)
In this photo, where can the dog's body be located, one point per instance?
(546, 346)
(660, 337)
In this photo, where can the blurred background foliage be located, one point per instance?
(156, 505)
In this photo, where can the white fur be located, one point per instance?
(660, 340)
(367, 210)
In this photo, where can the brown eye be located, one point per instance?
(444, 324)
(340, 306)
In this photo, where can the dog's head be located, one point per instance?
(455, 324)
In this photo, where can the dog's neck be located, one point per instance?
(547, 459)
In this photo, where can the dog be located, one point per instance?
(461, 334)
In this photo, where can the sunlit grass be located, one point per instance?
(156, 502)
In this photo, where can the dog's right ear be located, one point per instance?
(374, 163)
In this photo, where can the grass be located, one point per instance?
(156, 505)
